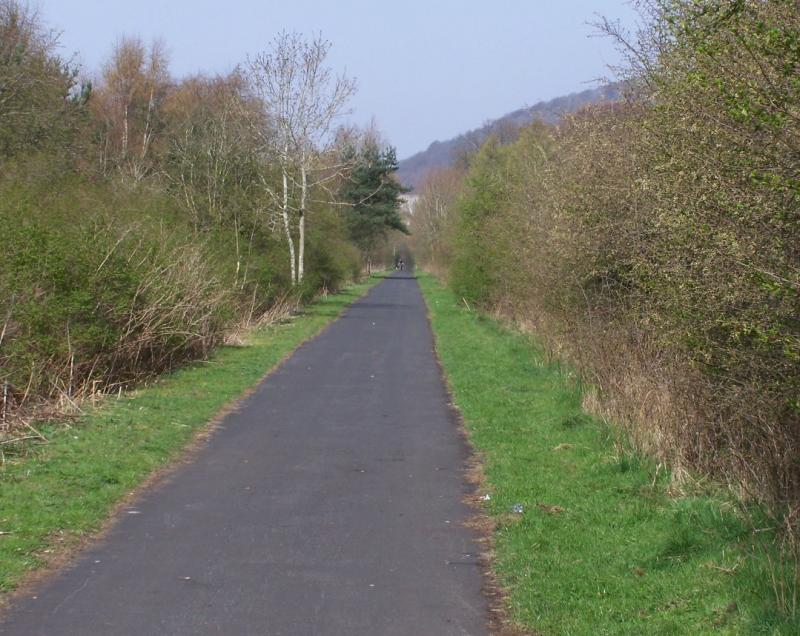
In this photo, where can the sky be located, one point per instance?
(426, 70)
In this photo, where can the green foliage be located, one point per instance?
(655, 242)
(93, 290)
(332, 259)
(603, 545)
(38, 109)
(138, 216)
(374, 196)
(480, 259)
(102, 284)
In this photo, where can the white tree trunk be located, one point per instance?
(148, 122)
(286, 226)
(302, 99)
(125, 132)
(302, 223)
(238, 252)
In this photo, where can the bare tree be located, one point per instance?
(211, 164)
(302, 99)
(434, 218)
(135, 83)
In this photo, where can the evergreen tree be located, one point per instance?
(374, 195)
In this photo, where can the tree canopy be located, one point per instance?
(374, 196)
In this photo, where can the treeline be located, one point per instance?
(145, 216)
(656, 242)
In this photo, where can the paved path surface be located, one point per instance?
(329, 504)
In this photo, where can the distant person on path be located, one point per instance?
(401, 265)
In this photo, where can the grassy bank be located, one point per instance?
(53, 495)
(605, 545)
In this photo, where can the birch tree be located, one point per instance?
(134, 85)
(434, 218)
(302, 99)
(211, 164)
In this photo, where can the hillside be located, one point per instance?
(443, 153)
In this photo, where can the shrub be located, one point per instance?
(93, 294)
(656, 242)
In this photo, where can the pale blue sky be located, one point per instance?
(426, 70)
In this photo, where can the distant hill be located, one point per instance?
(441, 154)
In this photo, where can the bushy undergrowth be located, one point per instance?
(657, 243)
(142, 216)
(54, 495)
(102, 284)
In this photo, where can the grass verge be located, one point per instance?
(603, 545)
(53, 495)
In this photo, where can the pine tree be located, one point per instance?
(374, 195)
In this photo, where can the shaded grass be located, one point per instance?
(603, 546)
(51, 495)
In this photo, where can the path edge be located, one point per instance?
(58, 558)
(499, 619)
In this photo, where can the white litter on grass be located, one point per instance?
(486, 497)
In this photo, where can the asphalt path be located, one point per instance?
(330, 503)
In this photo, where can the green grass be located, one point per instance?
(624, 557)
(53, 494)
